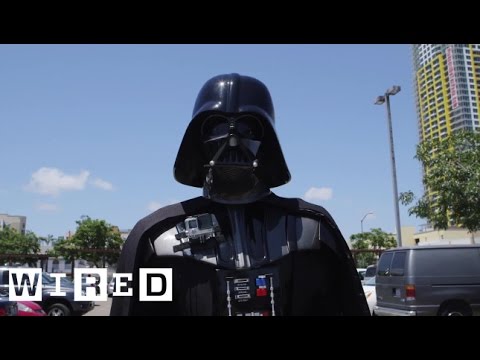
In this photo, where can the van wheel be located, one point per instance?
(58, 310)
(456, 310)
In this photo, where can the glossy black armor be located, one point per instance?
(240, 249)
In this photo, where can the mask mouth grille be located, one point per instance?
(233, 157)
(234, 174)
(232, 180)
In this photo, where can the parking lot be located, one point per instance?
(102, 308)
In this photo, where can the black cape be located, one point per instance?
(137, 248)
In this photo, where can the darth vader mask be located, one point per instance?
(230, 148)
(231, 144)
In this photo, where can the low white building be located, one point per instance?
(427, 235)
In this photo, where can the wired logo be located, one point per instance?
(27, 284)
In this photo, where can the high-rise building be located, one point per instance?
(14, 221)
(447, 87)
(447, 84)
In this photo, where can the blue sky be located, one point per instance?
(94, 129)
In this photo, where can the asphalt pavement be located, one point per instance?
(102, 308)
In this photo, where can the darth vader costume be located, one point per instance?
(240, 250)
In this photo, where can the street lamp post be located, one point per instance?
(361, 221)
(379, 101)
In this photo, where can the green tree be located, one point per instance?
(49, 239)
(375, 239)
(94, 240)
(19, 245)
(65, 248)
(452, 182)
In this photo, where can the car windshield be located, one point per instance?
(66, 282)
(370, 282)
(47, 279)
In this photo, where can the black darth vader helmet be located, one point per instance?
(230, 147)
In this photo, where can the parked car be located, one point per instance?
(97, 281)
(64, 305)
(86, 284)
(111, 287)
(361, 273)
(370, 272)
(30, 308)
(54, 305)
(429, 280)
(370, 294)
(7, 307)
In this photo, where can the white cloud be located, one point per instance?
(102, 184)
(46, 207)
(323, 193)
(52, 181)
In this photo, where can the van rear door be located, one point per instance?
(390, 281)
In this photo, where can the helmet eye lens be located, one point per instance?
(246, 126)
(214, 126)
(249, 127)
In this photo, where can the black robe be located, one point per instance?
(317, 279)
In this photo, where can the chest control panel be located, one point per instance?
(254, 292)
